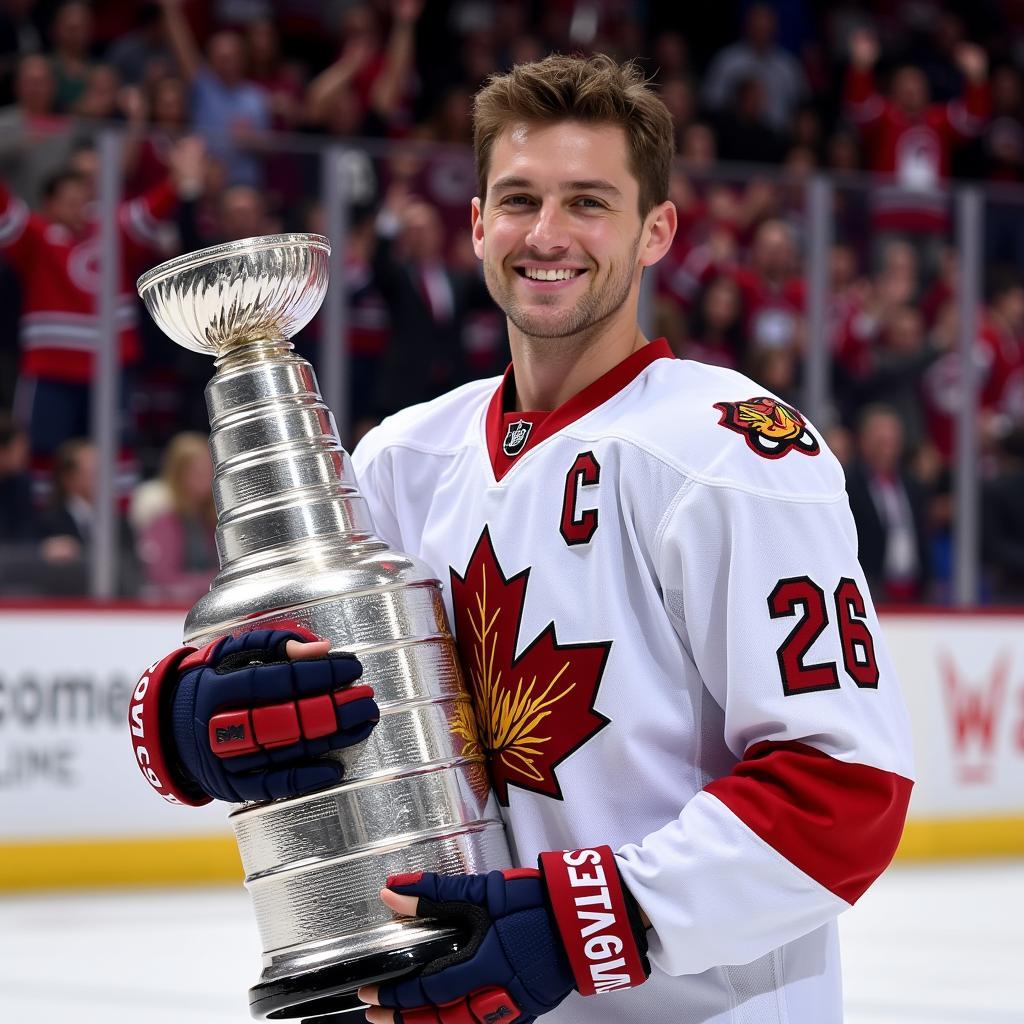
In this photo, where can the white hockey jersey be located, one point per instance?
(672, 650)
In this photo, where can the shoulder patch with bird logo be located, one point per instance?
(770, 427)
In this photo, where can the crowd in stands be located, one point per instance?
(224, 108)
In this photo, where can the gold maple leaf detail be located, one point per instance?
(531, 711)
(464, 726)
(508, 721)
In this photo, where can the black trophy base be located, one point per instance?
(327, 995)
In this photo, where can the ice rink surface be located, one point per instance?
(927, 945)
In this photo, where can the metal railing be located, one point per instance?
(332, 361)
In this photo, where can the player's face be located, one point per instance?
(560, 234)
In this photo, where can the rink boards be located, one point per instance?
(75, 811)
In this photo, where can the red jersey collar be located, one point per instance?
(505, 430)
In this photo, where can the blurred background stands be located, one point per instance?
(243, 118)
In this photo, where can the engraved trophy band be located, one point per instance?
(297, 546)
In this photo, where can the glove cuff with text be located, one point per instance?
(605, 944)
(145, 715)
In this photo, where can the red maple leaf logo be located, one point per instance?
(533, 711)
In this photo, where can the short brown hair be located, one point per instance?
(595, 90)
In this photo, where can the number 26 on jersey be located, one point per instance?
(801, 597)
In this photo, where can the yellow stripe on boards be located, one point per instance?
(175, 860)
(190, 860)
(947, 838)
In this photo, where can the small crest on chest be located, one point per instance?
(516, 437)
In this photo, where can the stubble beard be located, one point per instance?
(580, 322)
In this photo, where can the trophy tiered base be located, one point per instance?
(328, 994)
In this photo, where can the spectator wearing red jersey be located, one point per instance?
(774, 294)
(1002, 328)
(995, 359)
(55, 254)
(910, 138)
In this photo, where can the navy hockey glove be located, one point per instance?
(533, 937)
(238, 720)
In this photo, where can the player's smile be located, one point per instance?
(549, 278)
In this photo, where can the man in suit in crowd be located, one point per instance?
(889, 508)
(428, 303)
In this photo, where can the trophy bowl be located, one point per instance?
(255, 289)
(298, 548)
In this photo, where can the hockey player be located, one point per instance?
(691, 720)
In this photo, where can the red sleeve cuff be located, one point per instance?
(593, 919)
(837, 821)
(144, 721)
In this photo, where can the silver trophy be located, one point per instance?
(297, 546)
